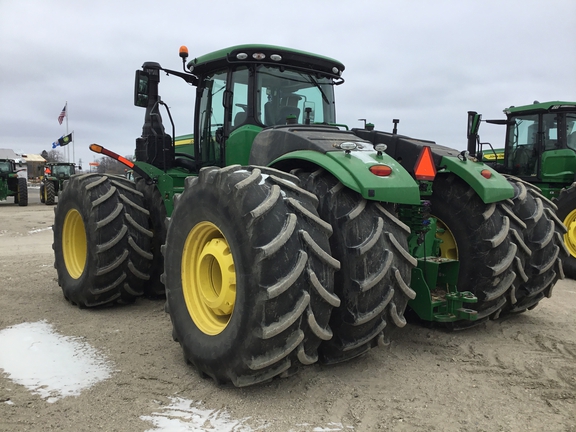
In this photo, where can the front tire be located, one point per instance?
(101, 241)
(49, 193)
(542, 234)
(248, 274)
(154, 288)
(22, 192)
(478, 236)
(566, 203)
(373, 282)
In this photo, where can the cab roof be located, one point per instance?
(265, 54)
(541, 106)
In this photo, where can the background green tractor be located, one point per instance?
(279, 237)
(54, 174)
(540, 150)
(11, 184)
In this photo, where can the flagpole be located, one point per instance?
(67, 149)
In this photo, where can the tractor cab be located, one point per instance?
(6, 167)
(240, 91)
(244, 99)
(63, 170)
(541, 141)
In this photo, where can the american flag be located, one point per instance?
(62, 115)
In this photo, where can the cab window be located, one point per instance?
(211, 121)
(281, 94)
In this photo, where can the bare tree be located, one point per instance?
(111, 166)
(52, 156)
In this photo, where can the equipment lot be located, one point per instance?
(514, 374)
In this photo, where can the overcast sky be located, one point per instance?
(424, 62)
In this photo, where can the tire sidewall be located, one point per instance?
(238, 331)
(566, 202)
(72, 199)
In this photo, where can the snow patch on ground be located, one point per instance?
(49, 364)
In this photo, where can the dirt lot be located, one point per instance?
(517, 374)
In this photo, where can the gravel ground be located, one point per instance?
(516, 374)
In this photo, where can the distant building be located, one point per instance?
(33, 162)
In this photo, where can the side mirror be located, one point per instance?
(473, 125)
(309, 112)
(141, 89)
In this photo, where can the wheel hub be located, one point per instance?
(448, 246)
(74, 244)
(208, 278)
(216, 277)
(570, 236)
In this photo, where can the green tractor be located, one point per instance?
(540, 151)
(281, 238)
(54, 174)
(11, 184)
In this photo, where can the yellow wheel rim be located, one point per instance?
(74, 244)
(570, 236)
(448, 247)
(208, 278)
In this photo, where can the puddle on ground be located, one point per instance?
(49, 364)
(37, 230)
(184, 415)
(189, 416)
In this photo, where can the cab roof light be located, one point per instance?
(348, 145)
(183, 55)
(380, 148)
(424, 168)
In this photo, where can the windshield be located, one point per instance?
(5, 167)
(284, 93)
(522, 145)
(571, 130)
(62, 170)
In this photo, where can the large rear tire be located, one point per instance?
(541, 248)
(566, 204)
(22, 192)
(478, 236)
(101, 240)
(373, 282)
(248, 274)
(49, 193)
(42, 198)
(154, 288)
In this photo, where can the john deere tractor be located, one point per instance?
(281, 238)
(540, 152)
(53, 177)
(11, 184)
